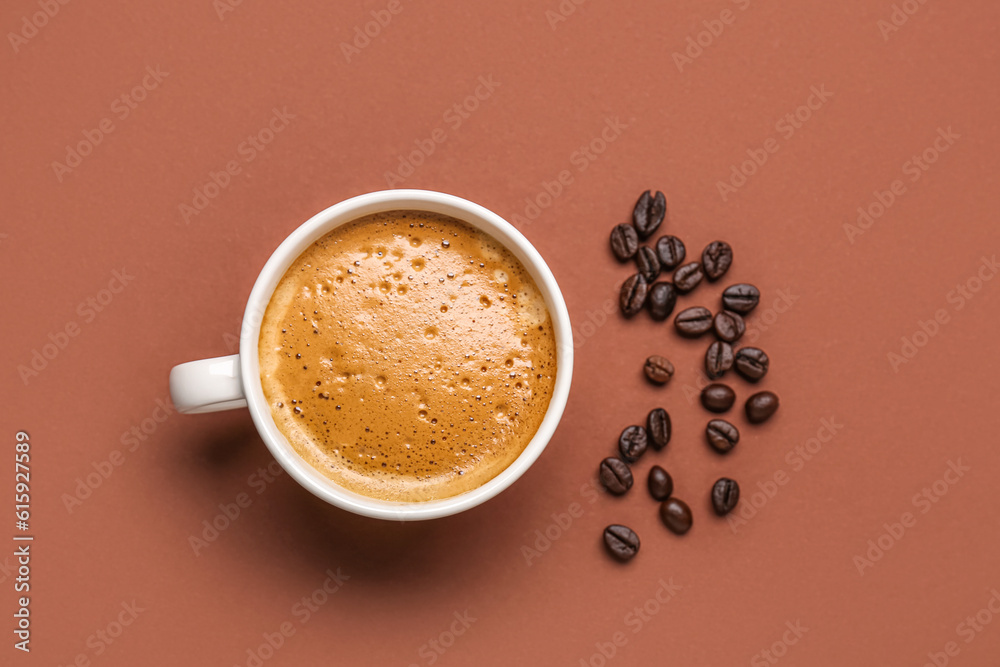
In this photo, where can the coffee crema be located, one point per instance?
(407, 356)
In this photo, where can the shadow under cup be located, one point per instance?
(348, 211)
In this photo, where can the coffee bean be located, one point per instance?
(728, 326)
(752, 363)
(658, 428)
(687, 277)
(658, 369)
(661, 300)
(670, 250)
(693, 321)
(676, 515)
(718, 359)
(741, 298)
(648, 263)
(615, 475)
(649, 213)
(721, 435)
(632, 296)
(661, 485)
(632, 443)
(716, 258)
(624, 241)
(717, 397)
(761, 406)
(725, 495)
(621, 541)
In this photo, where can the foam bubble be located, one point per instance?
(399, 384)
(531, 307)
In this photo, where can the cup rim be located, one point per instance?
(331, 218)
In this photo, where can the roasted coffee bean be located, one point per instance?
(621, 541)
(718, 359)
(716, 258)
(741, 298)
(693, 321)
(725, 495)
(658, 428)
(752, 363)
(632, 296)
(615, 475)
(649, 213)
(717, 397)
(729, 326)
(676, 515)
(648, 263)
(722, 435)
(661, 485)
(687, 277)
(661, 300)
(658, 369)
(670, 250)
(761, 406)
(632, 443)
(624, 241)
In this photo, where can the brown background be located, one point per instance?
(852, 303)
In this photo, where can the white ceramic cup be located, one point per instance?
(223, 383)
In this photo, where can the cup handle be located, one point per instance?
(207, 385)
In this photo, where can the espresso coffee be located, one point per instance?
(407, 356)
